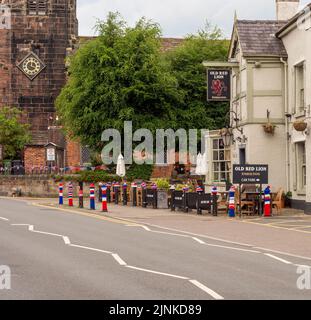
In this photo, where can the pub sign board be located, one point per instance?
(251, 174)
(218, 85)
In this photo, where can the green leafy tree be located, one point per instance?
(186, 65)
(119, 77)
(13, 134)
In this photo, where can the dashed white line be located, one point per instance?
(283, 253)
(277, 258)
(89, 248)
(4, 219)
(232, 248)
(119, 260)
(66, 240)
(170, 234)
(209, 291)
(157, 272)
(198, 240)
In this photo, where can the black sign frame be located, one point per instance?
(251, 174)
(218, 84)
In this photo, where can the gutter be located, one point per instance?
(286, 124)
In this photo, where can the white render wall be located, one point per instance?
(298, 46)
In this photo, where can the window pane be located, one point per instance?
(221, 155)
(216, 177)
(215, 156)
(215, 144)
(216, 166)
(221, 144)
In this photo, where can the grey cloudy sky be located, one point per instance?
(177, 17)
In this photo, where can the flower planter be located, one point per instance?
(269, 128)
(162, 199)
(300, 126)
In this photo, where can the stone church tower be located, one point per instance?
(36, 36)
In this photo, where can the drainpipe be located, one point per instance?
(286, 124)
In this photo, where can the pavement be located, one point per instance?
(135, 253)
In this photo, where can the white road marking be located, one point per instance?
(4, 219)
(209, 291)
(198, 240)
(118, 259)
(171, 234)
(47, 233)
(160, 273)
(66, 240)
(283, 253)
(231, 248)
(277, 258)
(89, 248)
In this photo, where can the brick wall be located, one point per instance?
(34, 156)
(73, 153)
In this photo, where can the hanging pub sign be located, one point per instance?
(219, 85)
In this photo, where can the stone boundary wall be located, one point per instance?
(36, 186)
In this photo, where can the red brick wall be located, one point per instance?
(73, 154)
(34, 157)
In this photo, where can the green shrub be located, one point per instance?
(136, 171)
(163, 184)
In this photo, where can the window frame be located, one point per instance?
(301, 168)
(217, 164)
(37, 7)
(300, 88)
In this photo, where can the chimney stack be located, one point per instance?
(286, 9)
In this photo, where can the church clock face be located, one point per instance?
(31, 66)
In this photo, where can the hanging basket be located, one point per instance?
(300, 125)
(269, 128)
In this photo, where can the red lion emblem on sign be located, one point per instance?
(218, 87)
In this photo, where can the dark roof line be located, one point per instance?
(257, 38)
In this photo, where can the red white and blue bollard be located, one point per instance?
(61, 194)
(199, 189)
(92, 196)
(232, 202)
(267, 207)
(104, 198)
(70, 194)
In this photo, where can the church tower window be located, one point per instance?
(37, 7)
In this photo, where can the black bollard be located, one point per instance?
(81, 205)
(134, 194)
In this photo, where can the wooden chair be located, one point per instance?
(249, 205)
(277, 201)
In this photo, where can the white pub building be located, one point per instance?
(270, 104)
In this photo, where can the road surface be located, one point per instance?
(56, 254)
